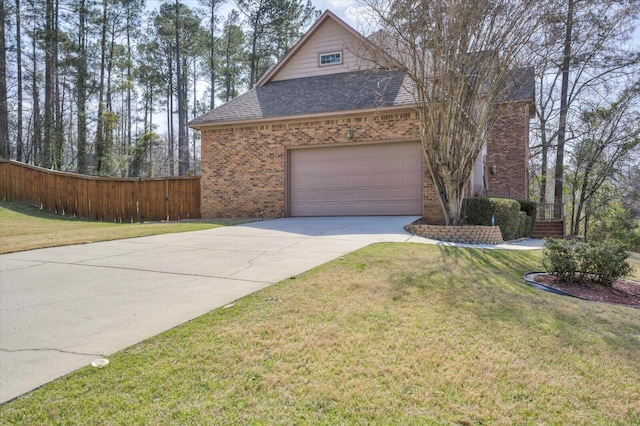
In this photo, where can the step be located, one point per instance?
(552, 229)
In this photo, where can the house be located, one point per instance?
(324, 134)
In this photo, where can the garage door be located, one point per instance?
(380, 179)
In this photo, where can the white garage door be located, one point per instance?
(365, 180)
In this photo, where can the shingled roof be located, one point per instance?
(350, 91)
(335, 93)
(520, 85)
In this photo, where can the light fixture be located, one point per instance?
(349, 134)
(493, 169)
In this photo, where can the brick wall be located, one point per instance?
(508, 150)
(244, 166)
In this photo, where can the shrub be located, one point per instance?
(531, 209)
(574, 261)
(478, 211)
(507, 215)
(529, 226)
(559, 258)
(522, 225)
(616, 223)
(606, 262)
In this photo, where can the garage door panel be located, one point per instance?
(413, 180)
(382, 179)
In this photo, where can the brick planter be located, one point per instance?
(467, 234)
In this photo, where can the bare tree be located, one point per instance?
(458, 57)
(610, 134)
(212, 66)
(581, 52)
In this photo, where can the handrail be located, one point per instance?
(551, 211)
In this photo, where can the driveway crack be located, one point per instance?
(262, 253)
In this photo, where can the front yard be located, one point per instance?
(23, 227)
(390, 334)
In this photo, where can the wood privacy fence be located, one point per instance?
(100, 198)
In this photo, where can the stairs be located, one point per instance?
(548, 228)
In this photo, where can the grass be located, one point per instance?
(390, 334)
(23, 227)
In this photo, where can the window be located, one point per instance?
(333, 58)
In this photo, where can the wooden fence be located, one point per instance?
(100, 198)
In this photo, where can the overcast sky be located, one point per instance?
(347, 10)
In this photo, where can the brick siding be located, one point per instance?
(244, 165)
(508, 150)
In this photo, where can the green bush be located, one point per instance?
(507, 216)
(573, 261)
(606, 261)
(531, 209)
(617, 224)
(477, 211)
(530, 222)
(522, 225)
(516, 218)
(559, 258)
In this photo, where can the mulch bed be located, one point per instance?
(623, 292)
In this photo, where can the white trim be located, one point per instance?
(337, 52)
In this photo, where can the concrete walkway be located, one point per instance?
(61, 308)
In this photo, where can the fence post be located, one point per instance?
(166, 197)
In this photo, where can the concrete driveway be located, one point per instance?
(61, 308)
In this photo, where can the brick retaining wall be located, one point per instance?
(467, 234)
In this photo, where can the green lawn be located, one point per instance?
(23, 227)
(394, 334)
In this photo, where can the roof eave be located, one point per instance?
(232, 123)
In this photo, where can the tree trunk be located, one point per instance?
(19, 142)
(170, 117)
(227, 77)
(545, 160)
(5, 147)
(564, 105)
(129, 83)
(109, 124)
(49, 86)
(81, 90)
(194, 111)
(212, 57)
(183, 143)
(100, 159)
(254, 60)
(37, 124)
(58, 141)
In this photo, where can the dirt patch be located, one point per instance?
(622, 292)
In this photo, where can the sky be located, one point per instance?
(348, 10)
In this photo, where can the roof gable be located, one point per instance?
(328, 34)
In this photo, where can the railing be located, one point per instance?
(551, 211)
(100, 198)
(479, 191)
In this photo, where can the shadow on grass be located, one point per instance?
(36, 212)
(501, 295)
(31, 210)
